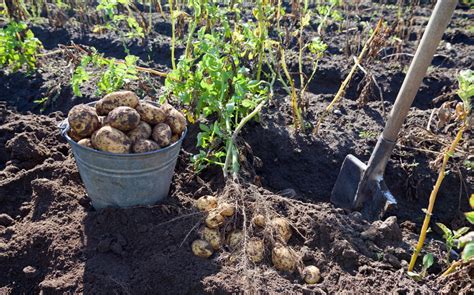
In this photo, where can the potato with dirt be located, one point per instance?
(176, 121)
(255, 250)
(214, 219)
(162, 134)
(86, 142)
(142, 131)
(144, 146)
(234, 238)
(74, 136)
(282, 258)
(281, 228)
(213, 236)
(123, 118)
(202, 248)
(226, 209)
(83, 120)
(206, 203)
(149, 113)
(109, 139)
(311, 274)
(123, 98)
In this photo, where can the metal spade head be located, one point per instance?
(357, 188)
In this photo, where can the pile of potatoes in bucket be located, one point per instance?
(121, 123)
(212, 239)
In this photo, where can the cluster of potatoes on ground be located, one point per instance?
(283, 257)
(121, 123)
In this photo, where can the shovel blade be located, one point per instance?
(345, 189)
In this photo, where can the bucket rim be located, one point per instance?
(64, 128)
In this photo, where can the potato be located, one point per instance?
(83, 120)
(214, 219)
(226, 209)
(177, 122)
(282, 258)
(150, 113)
(281, 229)
(144, 146)
(123, 118)
(311, 274)
(175, 138)
(213, 236)
(74, 136)
(167, 108)
(201, 248)
(255, 250)
(116, 99)
(162, 134)
(259, 220)
(206, 203)
(234, 238)
(142, 131)
(112, 140)
(86, 142)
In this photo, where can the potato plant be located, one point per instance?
(18, 47)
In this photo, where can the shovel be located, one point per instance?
(362, 187)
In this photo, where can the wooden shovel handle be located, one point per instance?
(439, 20)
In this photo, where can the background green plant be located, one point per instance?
(18, 47)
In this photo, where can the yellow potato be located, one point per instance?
(226, 209)
(112, 140)
(281, 229)
(234, 239)
(213, 236)
(116, 99)
(83, 120)
(282, 258)
(259, 220)
(177, 122)
(206, 203)
(142, 131)
(167, 108)
(123, 118)
(201, 248)
(162, 134)
(311, 274)
(214, 219)
(255, 249)
(85, 142)
(144, 146)
(150, 113)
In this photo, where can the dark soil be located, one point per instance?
(52, 240)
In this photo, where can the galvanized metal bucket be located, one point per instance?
(124, 180)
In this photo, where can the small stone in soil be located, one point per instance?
(30, 271)
(6, 220)
(392, 260)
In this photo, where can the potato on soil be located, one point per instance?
(116, 99)
(177, 122)
(201, 248)
(86, 142)
(150, 113)
(144, 146)
(214, 219)
(234, 238)
(281, 228)
(226, 209)
(259, 220)
(282, 258)
(255, 249)
(162, 134)
(206, 203)
(311, 274)
(213, 236)
(123, 118)
(142, 131)
(112, 140)
(83, 120)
